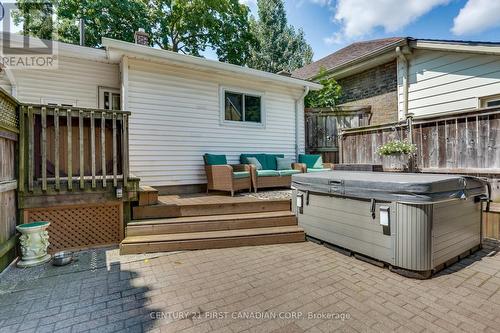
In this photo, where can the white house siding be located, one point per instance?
(448, 81)
(75, 81)
(176, 119)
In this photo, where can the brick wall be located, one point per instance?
(384, 107)
(376, 87)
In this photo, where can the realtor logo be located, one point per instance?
(22, 51)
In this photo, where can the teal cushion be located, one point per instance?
(311, 161)
(261, 157)
(211, 159)
(317, 170)
(241, 174)
(267, 173)
(288, 172)
(283, 163)
(254, 161)
(271, 161)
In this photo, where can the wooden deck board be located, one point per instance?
(211, 234)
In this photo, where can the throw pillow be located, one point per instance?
(284, 163)
(255, 161)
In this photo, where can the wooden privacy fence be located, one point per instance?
(467, 142)
(8, 184)
(323, 125)
(72, 147)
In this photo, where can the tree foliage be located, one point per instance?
(188, 26)
(278, 46)
(36, 18)
(328, 96)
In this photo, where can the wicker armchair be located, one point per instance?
(224, 177)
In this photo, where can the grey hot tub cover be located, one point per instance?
(391, 186)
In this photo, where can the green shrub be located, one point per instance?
(396, 147)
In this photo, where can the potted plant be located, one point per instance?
(397, 154)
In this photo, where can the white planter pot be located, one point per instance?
(396, 162)
(34, 243)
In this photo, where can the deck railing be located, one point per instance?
(69, 148)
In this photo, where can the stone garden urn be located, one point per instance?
(34, 243)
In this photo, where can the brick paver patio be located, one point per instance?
(305, 286)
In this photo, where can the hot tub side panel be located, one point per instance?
(456, 229)
(413, 236)
(347, 223)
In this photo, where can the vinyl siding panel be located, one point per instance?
(75, 80)
(448, 81)
(176, 118)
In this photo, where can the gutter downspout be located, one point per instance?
(401, 56)
(297, 103)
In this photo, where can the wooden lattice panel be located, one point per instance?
(74, 227)
(8, 113)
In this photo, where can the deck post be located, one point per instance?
(92, 147)
(125, 166)
(115, 164)
(44, 148)
(81, 154)
(56, 149)
(70, 155)
(30, 148)
(22, 148)
(103, 149)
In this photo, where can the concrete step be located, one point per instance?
(211, 239)
(211, 223)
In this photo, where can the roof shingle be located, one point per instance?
(343, 56)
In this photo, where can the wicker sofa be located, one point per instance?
(313, 163)
(224, 177)
(269, 175)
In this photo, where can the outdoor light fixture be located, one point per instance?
(119, 192)
(384, 216)
(300, 203)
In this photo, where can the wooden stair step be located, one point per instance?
(211, 239)
(163, 210)
(211, 223)
(147, 195)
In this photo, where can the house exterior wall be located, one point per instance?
(442, 82)
(75, 81)
(176, 118)
(376, 87)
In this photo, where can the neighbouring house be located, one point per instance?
(401, 75)
(181, 106)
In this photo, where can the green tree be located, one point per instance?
(35, 16)
(192, 26)
(187, 26)
(278, 46)
(328, 96)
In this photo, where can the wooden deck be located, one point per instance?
(206, 221)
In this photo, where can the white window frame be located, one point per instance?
(237, 90)
(482, 101)
(100, 93)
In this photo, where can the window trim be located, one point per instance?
(100, 95)
(482, 101)
(244, 92)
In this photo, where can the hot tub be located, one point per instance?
(416, 223)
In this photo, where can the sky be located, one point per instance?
(330, 25)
